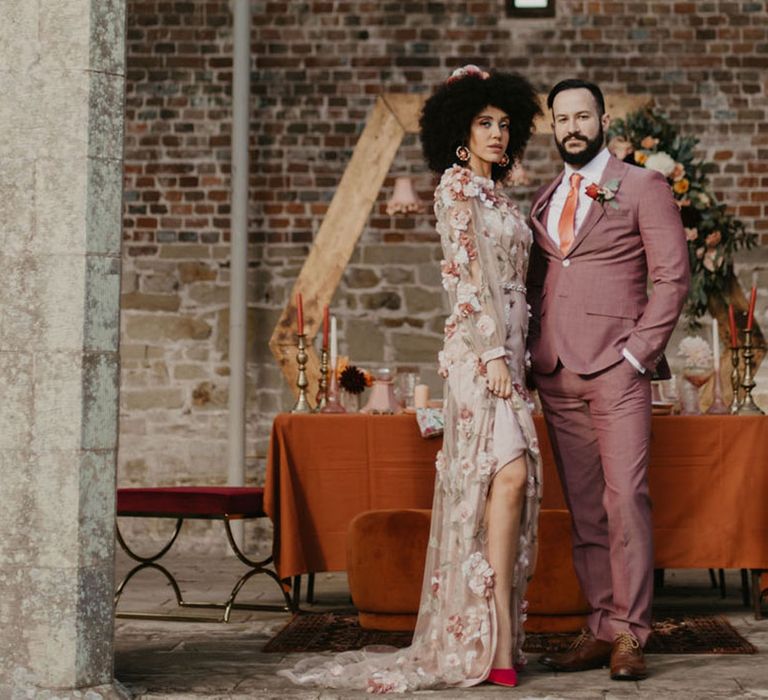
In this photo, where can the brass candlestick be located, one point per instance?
(735, 379)
(748, 405)
(302, 405)
(322, 389)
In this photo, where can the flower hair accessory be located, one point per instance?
(603, 193)
(469, 69)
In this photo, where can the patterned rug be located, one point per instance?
(339, 631)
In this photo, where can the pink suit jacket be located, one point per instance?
(590, 304)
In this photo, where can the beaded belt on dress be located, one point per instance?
(514, 287)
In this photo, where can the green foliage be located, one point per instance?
(713, 234)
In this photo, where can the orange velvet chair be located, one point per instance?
(385, 566)
(555, 600)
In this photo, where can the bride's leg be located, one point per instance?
(502, 515)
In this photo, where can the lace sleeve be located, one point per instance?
(469, 269)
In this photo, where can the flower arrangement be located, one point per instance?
(469, 69)
(696, 352)
(351, 378)
(604, 193)
(646, 138)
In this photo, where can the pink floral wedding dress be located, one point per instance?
(486, 244)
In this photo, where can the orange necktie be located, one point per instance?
(566, 225)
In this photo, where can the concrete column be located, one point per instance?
(238, 268)
(62, 81)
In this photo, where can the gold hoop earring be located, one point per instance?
(462, 153)
(504, 162)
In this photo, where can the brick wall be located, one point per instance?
(317, 68)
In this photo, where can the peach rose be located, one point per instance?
(713, 239)
(620, 147)
(649, 142)
(713, 259)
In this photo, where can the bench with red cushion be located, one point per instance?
(215, 502)
(181, 503)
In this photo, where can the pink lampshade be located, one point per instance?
(404, 199)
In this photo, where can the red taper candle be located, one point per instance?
(751, 312)
(299, 314)
(325, 327)
(732, 326)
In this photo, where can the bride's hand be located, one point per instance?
(498, 379)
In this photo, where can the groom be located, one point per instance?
(602, 228)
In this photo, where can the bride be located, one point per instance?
(482, 542)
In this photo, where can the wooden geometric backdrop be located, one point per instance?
(393, 116)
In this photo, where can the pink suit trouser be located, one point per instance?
(599, 426)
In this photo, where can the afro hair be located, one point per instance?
(447, 116)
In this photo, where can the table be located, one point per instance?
(708, 479)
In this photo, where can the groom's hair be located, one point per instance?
(575, 84)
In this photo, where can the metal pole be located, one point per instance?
(241, 71)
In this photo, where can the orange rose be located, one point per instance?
(649, 142)
(342, 362)
(681, 186)
(640, 157)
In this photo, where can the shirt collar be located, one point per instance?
(592, 171)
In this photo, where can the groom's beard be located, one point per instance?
(582, 157)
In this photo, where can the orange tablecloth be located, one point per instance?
(708, 479)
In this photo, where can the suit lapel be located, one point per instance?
(538, 209)
(614, 170)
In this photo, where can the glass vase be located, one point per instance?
(693, 379)
(350, 401)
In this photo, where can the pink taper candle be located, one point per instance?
(325, 327)
(751, 312)
(732, 327)
(299, 314)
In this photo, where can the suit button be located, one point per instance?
(566, 263)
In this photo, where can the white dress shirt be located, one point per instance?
(591, 173)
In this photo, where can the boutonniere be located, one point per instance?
(604, 193)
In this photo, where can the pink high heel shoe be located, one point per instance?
(503, 676)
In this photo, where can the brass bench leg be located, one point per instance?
(259, 567)
(161, 553)
(150, 562)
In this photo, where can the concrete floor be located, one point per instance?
(197, 660)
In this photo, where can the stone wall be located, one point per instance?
(317, 69)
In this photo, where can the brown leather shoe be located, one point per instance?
(627, 660)
(584, 654)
